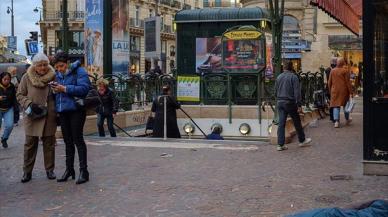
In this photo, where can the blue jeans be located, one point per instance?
(336, 114)
(100, 125)
(8, 122)
(284, 109)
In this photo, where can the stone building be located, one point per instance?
(321, 36)
(50, 26)
(142, 9)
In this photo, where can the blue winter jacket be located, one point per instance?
(378, 208)
(77, 84)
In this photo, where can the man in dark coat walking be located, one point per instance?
(289, 98)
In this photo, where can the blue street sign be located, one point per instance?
(11, 43)
(32, 47)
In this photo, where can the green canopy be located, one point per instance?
(221, 15)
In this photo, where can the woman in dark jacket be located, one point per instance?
(107, 109)
(71, 83)
(7, 103)
(158, 109)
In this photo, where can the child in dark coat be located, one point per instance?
(107, 109)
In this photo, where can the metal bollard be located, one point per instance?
(165, 118)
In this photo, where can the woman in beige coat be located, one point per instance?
(340, 90)
(36, 98)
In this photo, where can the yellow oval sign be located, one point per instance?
(238, 35)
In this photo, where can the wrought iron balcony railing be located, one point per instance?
(57, 15)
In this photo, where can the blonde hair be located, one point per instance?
(11, 69)
(103, 81)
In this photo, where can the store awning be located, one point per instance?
(347, 12)
(221, 15)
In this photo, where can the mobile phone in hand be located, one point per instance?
(53, 83)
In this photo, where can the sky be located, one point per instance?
(24, 19)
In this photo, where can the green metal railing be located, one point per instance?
(136, 89)
(245, 89)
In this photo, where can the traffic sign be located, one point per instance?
(32, 47)
(11, 43)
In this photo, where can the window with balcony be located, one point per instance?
(137, 16)
(80, 5)
(134, 44)
(172, 50)
(76, 39)
(162, 22)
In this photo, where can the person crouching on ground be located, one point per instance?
(7, 104)
(171, 120)
(340, 91)
(289, 98)
(35, 97)
(107, 109)
(216, 134)
(71, 82)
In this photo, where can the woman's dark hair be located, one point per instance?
(288, 66)
(165, 89)
(4, 74)
(61, 57)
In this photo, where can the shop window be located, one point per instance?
(380, 54)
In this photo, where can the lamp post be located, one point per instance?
(65, 27)
(38, 9)
(277, 14)
(10, 10)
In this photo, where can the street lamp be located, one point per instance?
(10, 10)
(38, 9)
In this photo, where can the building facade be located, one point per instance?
(221, 3)
(166, 9)
(320, 36)
(50, 27)
(139, 10)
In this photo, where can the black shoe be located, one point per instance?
(4, 142)
(26, 177)
(66, 175)
(83, 176)
(50, 175)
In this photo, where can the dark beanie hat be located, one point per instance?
(61, 56)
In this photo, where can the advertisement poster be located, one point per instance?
(240, 54)
(188, 88)
(208, 55)
(120, 37)
(93, 36)
(152, 26)
(269, 74)
(243, 51)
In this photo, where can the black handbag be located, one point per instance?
(89, 101)
(150, 123)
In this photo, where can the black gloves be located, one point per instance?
(36, 109)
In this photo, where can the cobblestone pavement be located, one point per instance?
(195, 180)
